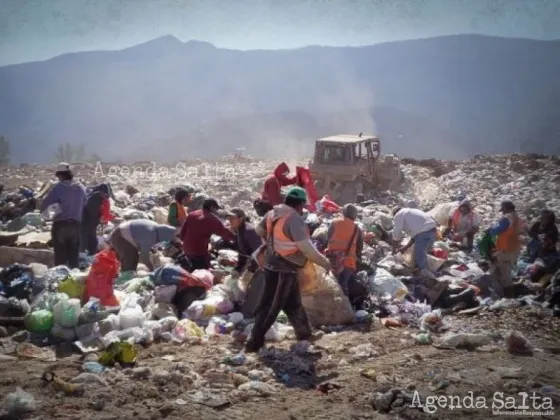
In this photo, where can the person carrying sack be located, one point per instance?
(345, 245)
(287, 248)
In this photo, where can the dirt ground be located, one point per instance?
(398, 363)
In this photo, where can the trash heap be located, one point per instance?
(99, 309)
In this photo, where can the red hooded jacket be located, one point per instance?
(274, 183)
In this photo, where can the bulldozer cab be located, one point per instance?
(347, 154)
(344, 164)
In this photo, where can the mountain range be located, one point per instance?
(445, 97)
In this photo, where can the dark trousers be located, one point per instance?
(344, 279)
(88, 237)
(280, 292)
(65, 236)
(198, 263)
(127, 253)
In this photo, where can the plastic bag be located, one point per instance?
(131, 314)
(160, 215)
(309, 277)
(165, 294)
(385, 283)
(216, 302)
(67, 312)
(124, 277)
(186, 329)
(19, 402)
(486, 245)
(39, 321)
(327, 305)
(72, 287)
(329, 206)
(174, 275)
(101, 276)
(233, 290)
(46, 300)
(51, 212)
(205, 278)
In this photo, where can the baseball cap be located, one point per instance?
(297, 192)
(63, 167)
(209, 203)
(236, 213)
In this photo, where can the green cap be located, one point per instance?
(297, 192)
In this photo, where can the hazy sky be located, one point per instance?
(40, 29)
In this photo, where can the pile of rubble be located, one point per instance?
(44, 307)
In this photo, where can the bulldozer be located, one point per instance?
(345, 166)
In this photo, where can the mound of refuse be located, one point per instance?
(100, 308)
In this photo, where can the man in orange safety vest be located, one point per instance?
(345, 245)
(287, 249)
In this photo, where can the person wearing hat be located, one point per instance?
(287, 249)
(65, 233)
(345, 245)
(421, 228)
(247, 239)
(97, 210)
(198, 228)
(508, 245)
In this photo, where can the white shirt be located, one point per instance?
(412, 222)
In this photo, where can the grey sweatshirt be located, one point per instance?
(144, 234)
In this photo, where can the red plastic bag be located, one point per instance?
(329, 206)
(305, 181)
(106, 215)
(198, 278)
(102, 275)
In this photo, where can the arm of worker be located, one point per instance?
(241, 262)
(330, 232)
(261, 228)
(297, 231)
(501, 227)
(145, 256)
(475, 224)
(288, 180)
(218, 228)
(448, 228)
(408, 245)
(52, 197)
(359, 244)
(534, 230)
(398, 226)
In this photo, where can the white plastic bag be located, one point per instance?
(385, 283)
(51, 212)
(67, 312)
(131, 314)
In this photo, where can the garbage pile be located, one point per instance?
(101, 309)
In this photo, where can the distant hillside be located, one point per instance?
(447, 97)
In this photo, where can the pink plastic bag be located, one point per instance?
(102, 275)
(198, 278)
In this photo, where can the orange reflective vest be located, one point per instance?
(343, 230)
(181, 213)
(509, 240)
(456, 217)
(283, 245)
